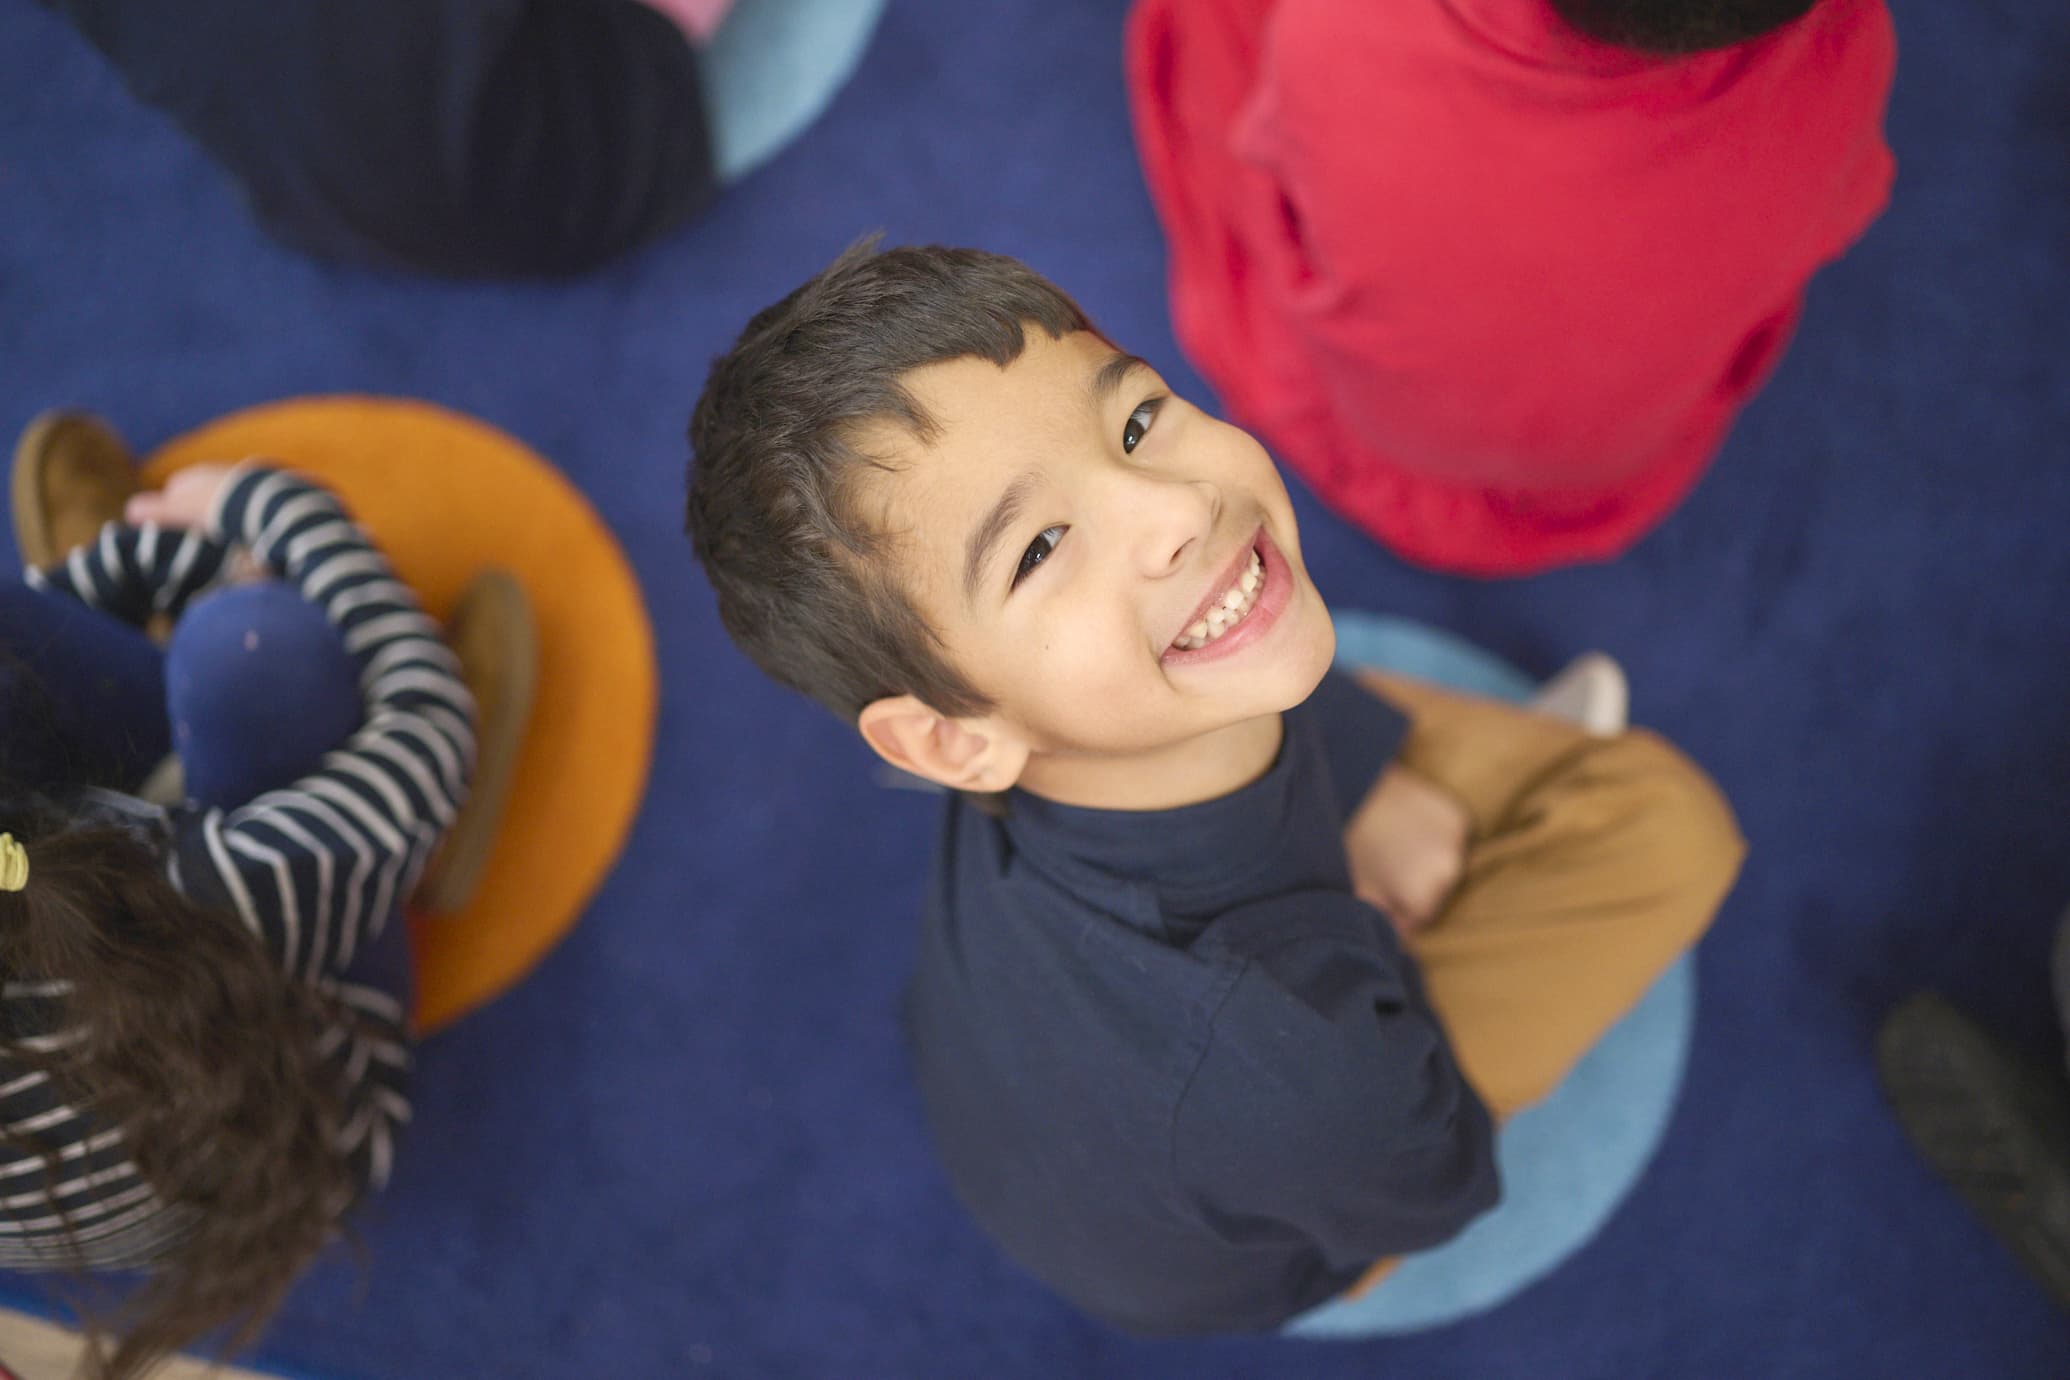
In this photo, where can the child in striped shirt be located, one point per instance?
(205, 1045)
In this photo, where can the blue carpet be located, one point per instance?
(688, 1144)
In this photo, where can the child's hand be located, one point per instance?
(1407, 847)
(186, 500)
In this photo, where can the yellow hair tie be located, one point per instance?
(14, 864)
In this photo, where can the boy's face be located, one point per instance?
(1118, 571)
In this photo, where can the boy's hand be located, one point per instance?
(186, 500)
(1407, 847)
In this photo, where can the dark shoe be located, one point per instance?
(492, 633)
(1993, 1125)
(72, 474)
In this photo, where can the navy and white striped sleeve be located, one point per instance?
(135, 572)
(316, 869)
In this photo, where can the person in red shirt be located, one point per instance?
(1495, 276)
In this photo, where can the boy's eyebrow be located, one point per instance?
(1110, 376)
(977, 552)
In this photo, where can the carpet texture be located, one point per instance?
(687, 1145)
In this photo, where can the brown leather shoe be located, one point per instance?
(72, 473)
(492, 633)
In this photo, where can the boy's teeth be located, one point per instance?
(1237, 601)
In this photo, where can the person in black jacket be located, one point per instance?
(467, 138)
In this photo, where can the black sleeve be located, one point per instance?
(1328, 1102)
(460, 137)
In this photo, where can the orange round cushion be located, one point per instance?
(445, 496)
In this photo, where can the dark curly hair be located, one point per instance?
(194, 1044)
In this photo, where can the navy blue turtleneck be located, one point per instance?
(1173, 1066)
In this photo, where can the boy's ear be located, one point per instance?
(963, 754)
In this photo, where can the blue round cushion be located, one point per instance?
(1569, 1161)
(772, 68)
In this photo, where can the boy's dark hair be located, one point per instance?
(803, 585)
(1679, 26)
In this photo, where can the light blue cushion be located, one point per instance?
(1569, 1161)
(772, 68)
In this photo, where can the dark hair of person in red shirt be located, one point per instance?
(1679, 26)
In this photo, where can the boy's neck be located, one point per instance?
(1185, 773)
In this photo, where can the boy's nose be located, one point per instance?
(1171, 517)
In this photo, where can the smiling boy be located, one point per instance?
(1176, 1058)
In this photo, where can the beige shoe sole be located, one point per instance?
(72, 473)
(493, 634)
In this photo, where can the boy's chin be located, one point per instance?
(1297, 677)
(1317, 651)
(1307, 683)
(1328, 637)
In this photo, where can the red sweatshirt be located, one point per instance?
(1497, 291)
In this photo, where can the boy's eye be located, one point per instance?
(1138, 425)
(1037, 552)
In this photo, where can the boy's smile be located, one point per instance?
(1244, 610)
(1116, 570)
